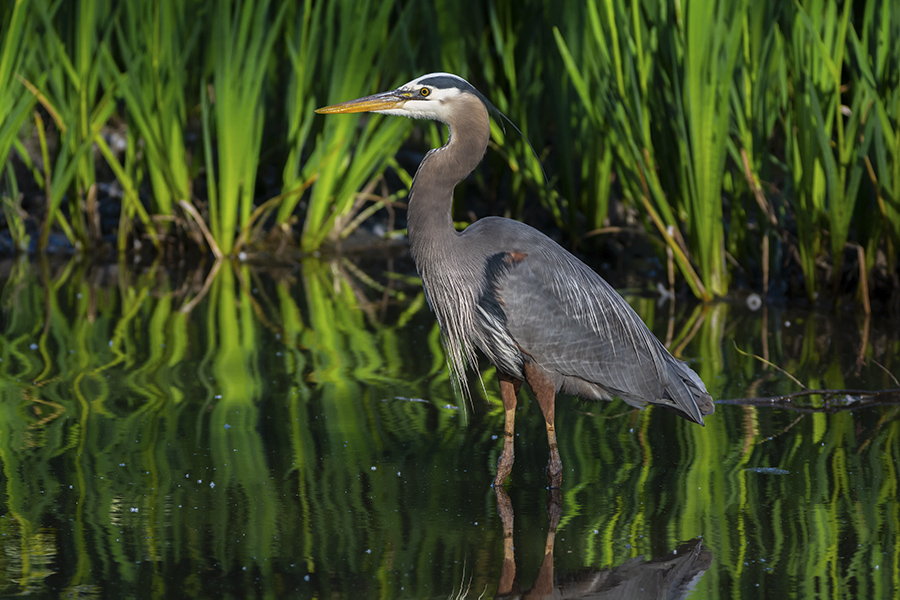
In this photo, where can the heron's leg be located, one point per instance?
(544, 584)
(545, 392)
(509, 387)
(508, 570)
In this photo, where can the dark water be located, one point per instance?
(294, 434)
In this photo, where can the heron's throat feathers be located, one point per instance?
(431, 195)
(440, 256)
(470, 129)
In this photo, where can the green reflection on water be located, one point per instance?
(296, 434)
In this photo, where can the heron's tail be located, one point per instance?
(685, 393)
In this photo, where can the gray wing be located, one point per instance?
(582, 332)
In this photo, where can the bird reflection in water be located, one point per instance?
(673, 575)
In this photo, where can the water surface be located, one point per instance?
(295, 434)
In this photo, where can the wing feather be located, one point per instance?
(539, 301)
(574, 324)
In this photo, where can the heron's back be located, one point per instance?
(544, 305)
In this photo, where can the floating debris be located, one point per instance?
(768, 471)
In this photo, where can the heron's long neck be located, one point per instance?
(431, 232)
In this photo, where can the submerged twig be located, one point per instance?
(853, 399)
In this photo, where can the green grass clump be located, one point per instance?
(739, 124)
(242, 39)
(156, 44)
(349, 151)
(15, 105)
(752, 142)
(15, 58)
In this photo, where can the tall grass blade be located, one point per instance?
(351, 50)
(877, 61)
(614, 85)
(15, 57)
(74, 36)
(758, 98)
(303, 31)
(243, 35)
(156, 43)
(711, 37)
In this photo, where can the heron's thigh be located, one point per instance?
(543, 389)
(509, 389)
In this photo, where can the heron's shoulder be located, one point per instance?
(507, 235)
(543, 257)
(499, 224)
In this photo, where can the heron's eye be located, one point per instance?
(425, 92)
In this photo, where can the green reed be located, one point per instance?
(728, 82)
(351, 149)
(750, 140)
(303, 28)
(758, 98)
(879, 62)
(13, 213)
(617, 80)
(827, 148)
(69, 50)
(156, 44)
(241, 41)
(709, 40)
(518, 88)
(15, 57)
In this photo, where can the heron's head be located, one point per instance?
(434, 96)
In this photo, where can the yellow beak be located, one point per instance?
(382, 101)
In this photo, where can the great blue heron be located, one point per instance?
(538, 313)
